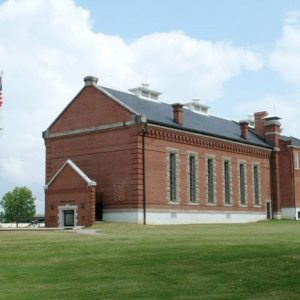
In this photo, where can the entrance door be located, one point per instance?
(69, 217)
(98, 212)
(269, 213)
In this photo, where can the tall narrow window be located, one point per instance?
(172, 177)
(192, 178)
(242, 170)
(296, 161)
(227, 179)
(210, 181)
(256, 184)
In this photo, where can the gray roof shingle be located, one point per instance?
(295, 141)
(162, 113)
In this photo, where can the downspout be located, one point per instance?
(144, 132)
(293, 182)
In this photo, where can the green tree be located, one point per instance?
(2, 220)
(18, 205)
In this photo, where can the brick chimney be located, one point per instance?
(178, 113)
(272, 130)
(272, 135)
(90, 80)
(244, 129)
(259, 123)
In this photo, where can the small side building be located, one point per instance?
(71, 195)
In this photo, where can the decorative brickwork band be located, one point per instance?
(67, 190)
(209, 143)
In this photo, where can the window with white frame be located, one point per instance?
(242, 183)
(296, 160)
(256, 184)
(172, 177)
(227, 181)
(210, 180)
(192, 178)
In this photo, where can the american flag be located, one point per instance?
(1, 99)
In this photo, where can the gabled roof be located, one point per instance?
(295, 141)
(99, 88)
(162, 114)
(77, 170)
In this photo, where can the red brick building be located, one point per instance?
(128, 157)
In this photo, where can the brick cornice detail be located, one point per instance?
(209, 143)
(63, 190)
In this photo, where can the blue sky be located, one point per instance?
(256, 25)
(237, 56)
(244, 22)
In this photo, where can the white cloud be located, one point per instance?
(185, 67)
(284, 107)
(285, 59)
(20, 170)
(47, 47)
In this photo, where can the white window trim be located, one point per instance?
(176, 152)
(228, 159)
(213, 157)
(296, 160)
(259, 184)
(194, 154)
(244, 162)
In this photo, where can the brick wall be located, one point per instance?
(108, 157)
(157, 180)
(91, 108)
(287, 174)
(111, 156)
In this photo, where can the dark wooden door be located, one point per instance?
(69, 218)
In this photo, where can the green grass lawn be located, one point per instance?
(123, 261)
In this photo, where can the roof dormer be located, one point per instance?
(145, 92)
(196, 106)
